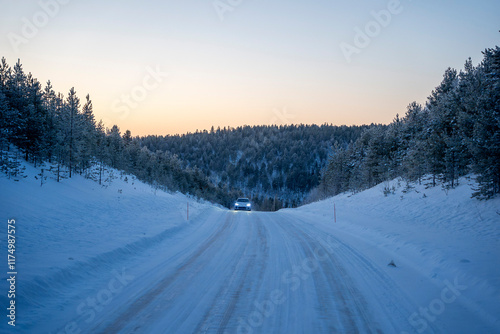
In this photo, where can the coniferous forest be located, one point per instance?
(456, 133)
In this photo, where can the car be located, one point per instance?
(243, 204)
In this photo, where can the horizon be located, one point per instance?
(230, 128)
(175, 68)
(357, 220)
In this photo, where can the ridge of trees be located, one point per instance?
(267, 163)
(455, 133)
(274, 165)
(46, 126)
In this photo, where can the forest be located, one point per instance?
(276, 166)
(456, 133)
(263, 162)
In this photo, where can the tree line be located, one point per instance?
(274, 165)
(263, 162)
(39, 125)
(455, 133)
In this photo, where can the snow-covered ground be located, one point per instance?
(124, 258)
(445, 245)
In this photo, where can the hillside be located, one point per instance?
(77, 239)
(260, 161)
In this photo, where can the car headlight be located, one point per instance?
(248, 204)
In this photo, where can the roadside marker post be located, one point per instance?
(334, 213)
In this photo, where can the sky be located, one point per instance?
(172, 67)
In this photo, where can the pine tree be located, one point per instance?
(114, 146)
(5, 119)
(6, 116)
(50, 103)
(337, 173)
(485, 143)
(88, 135)
(17, 94)
(439, 124)
(36, 122)
(413, 164)
(60, 135)
(73, 130)
(101, 153)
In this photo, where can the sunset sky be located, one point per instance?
(166, 67)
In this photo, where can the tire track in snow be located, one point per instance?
(139, 305)
(397, 306)
(225, 301)
(254, 258)
(257, 265)
(341, 305)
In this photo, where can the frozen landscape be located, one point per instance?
(361, 136)
(126, 258)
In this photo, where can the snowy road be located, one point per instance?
(252, 272)
(124, 259)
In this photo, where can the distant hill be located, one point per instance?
(262, 162)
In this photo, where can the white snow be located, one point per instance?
(433, 236)
(124, 258)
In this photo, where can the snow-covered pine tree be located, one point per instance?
(412, 144)
(6, 116)
(88, 136)
(485, 143)
(36, 121)
(439, 123)
(50, 103)
(73, 129)
(101, 152)
(18, 97)
(114, 146)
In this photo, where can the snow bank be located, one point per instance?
(66, 231)
(431, 234)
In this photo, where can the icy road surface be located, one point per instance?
(253, 272)
(246, 272)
